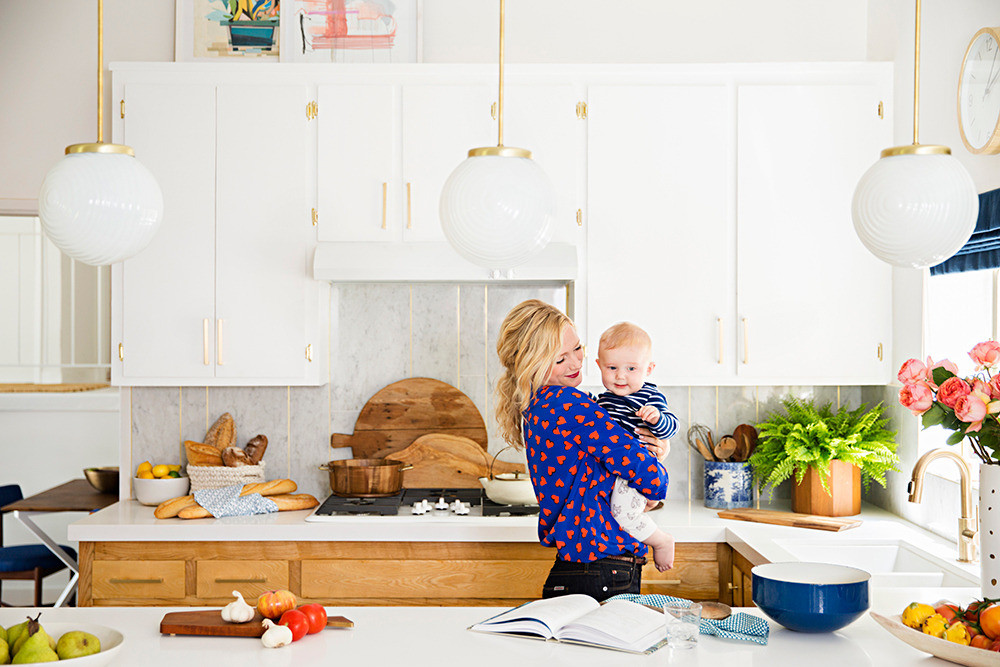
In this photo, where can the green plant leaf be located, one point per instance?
(940, 374)
(933, 416)
(955, 438)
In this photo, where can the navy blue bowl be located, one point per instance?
(810, 597)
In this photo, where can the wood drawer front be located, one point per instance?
(697, 580)
(219, 578)
(424, 578)
(144, 579)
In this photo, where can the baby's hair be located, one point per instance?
(625, 334)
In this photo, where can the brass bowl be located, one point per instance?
(104, 479)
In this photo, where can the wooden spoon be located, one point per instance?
(746, 438)
(715, 610)
(725, 447)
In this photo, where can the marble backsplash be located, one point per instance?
(384, 333)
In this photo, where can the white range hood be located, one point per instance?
(434, 263)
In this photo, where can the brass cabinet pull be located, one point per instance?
(136, 581)
(204, 339)
(579, 217)
(254, 580)
(385, 192)
(881, 110)
(662, 582)
(733, 587)
(409, 208)
(746, 340)
(718, 321)
(123, 108)
(880, 351)
(493, 111)
(218, 342)
(121, 352)
(309, 352)
(315, 217)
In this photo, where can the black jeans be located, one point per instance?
(600, 579)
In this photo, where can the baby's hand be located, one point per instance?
(648, 413)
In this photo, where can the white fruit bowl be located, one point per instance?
(155, 491)
(111, 642)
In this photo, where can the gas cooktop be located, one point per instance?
(402, 504)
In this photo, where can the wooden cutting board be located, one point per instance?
(448, 461)
(209, 622)
(791, 519)
(403, 411)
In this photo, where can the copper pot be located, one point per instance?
(365, 478)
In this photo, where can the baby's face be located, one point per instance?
(624, 369)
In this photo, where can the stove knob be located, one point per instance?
(441, 504)
(418, 508)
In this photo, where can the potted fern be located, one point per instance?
(830, 453)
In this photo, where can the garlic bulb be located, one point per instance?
(275, 635)
(237, 611)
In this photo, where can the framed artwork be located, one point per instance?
(351, 31)
(210, 30)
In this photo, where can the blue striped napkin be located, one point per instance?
(739, 625)
(227, 501)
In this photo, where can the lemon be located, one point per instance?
(145, 474)
(160, 471)
(145, 466)
(174, 467)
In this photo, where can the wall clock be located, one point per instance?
(979, 93)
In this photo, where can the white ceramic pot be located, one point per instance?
(509, 488)
(989, 529)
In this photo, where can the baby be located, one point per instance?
(624, 359)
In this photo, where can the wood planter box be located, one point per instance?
(844, 498)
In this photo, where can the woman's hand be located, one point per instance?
(660, 448)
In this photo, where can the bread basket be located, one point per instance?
(216, 477)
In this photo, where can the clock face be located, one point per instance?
(979, 92)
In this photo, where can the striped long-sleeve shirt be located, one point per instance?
(622, 410)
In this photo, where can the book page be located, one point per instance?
(617, 623)
(540, 617)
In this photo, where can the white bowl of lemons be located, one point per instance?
(155, 483)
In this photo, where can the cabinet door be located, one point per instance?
(813, 302)
(440, 124)
(166, 294)
(263, 234)
(660, 250)
(358, 166)
(542, 118)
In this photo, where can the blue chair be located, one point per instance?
(26, 561)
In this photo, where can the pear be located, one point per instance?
(35, 649)
(3, 634)
(4, 652)
(14, 631)
(77, 644)
(36, 632)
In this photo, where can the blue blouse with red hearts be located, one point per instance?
(575, 451)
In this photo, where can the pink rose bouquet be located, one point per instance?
(968, 406)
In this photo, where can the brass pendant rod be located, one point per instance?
(500, 96)
(916, 78)
(100, 71)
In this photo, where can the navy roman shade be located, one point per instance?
(982, 251)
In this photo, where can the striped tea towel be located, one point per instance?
(227, 501)
(739, 625)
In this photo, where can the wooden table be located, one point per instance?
(73, 496)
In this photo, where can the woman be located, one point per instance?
(574, 451)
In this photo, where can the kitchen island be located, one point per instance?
(128, 557)
(438, 636)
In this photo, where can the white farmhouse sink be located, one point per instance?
(890, 562)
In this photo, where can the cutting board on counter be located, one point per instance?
(403, 411)
(791, 519)
(447, 461)
(209, 622)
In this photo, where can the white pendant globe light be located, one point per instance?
(917, 206)
(497, 206)
(99, 205)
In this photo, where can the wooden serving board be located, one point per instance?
(791, 519)
(403, 411)
(209, 622)
(448, 461)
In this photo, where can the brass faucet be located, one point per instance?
(969, 522)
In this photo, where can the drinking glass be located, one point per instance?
(682, 620)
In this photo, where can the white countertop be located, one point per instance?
(438, 636)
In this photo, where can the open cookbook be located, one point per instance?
(580, 619)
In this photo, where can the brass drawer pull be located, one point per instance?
(661, 582)
(255, 580)
(136, 581)
(733, 587)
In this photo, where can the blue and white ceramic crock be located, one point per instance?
(728, 485)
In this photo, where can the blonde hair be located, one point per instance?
(625, 334)
(530, 337)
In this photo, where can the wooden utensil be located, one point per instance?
(403, 411)
(715, 611)
(448, 461)
(725, 448)
(746, 441)
(697, 445)
(813, 521)
(209, 622)
(702, 440)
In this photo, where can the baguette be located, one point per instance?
(200, 454)
(222, 434)
(171, 508)
(234, 457)
(299, 501)
(255, 448)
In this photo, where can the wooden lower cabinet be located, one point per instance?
(738, 590)
(358, 573)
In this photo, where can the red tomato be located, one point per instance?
(972, 611)
(995, 646)
(273, 604)
(989, 621)
(980, 641)
(316, 615)
(296, 622)
(949, 611)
